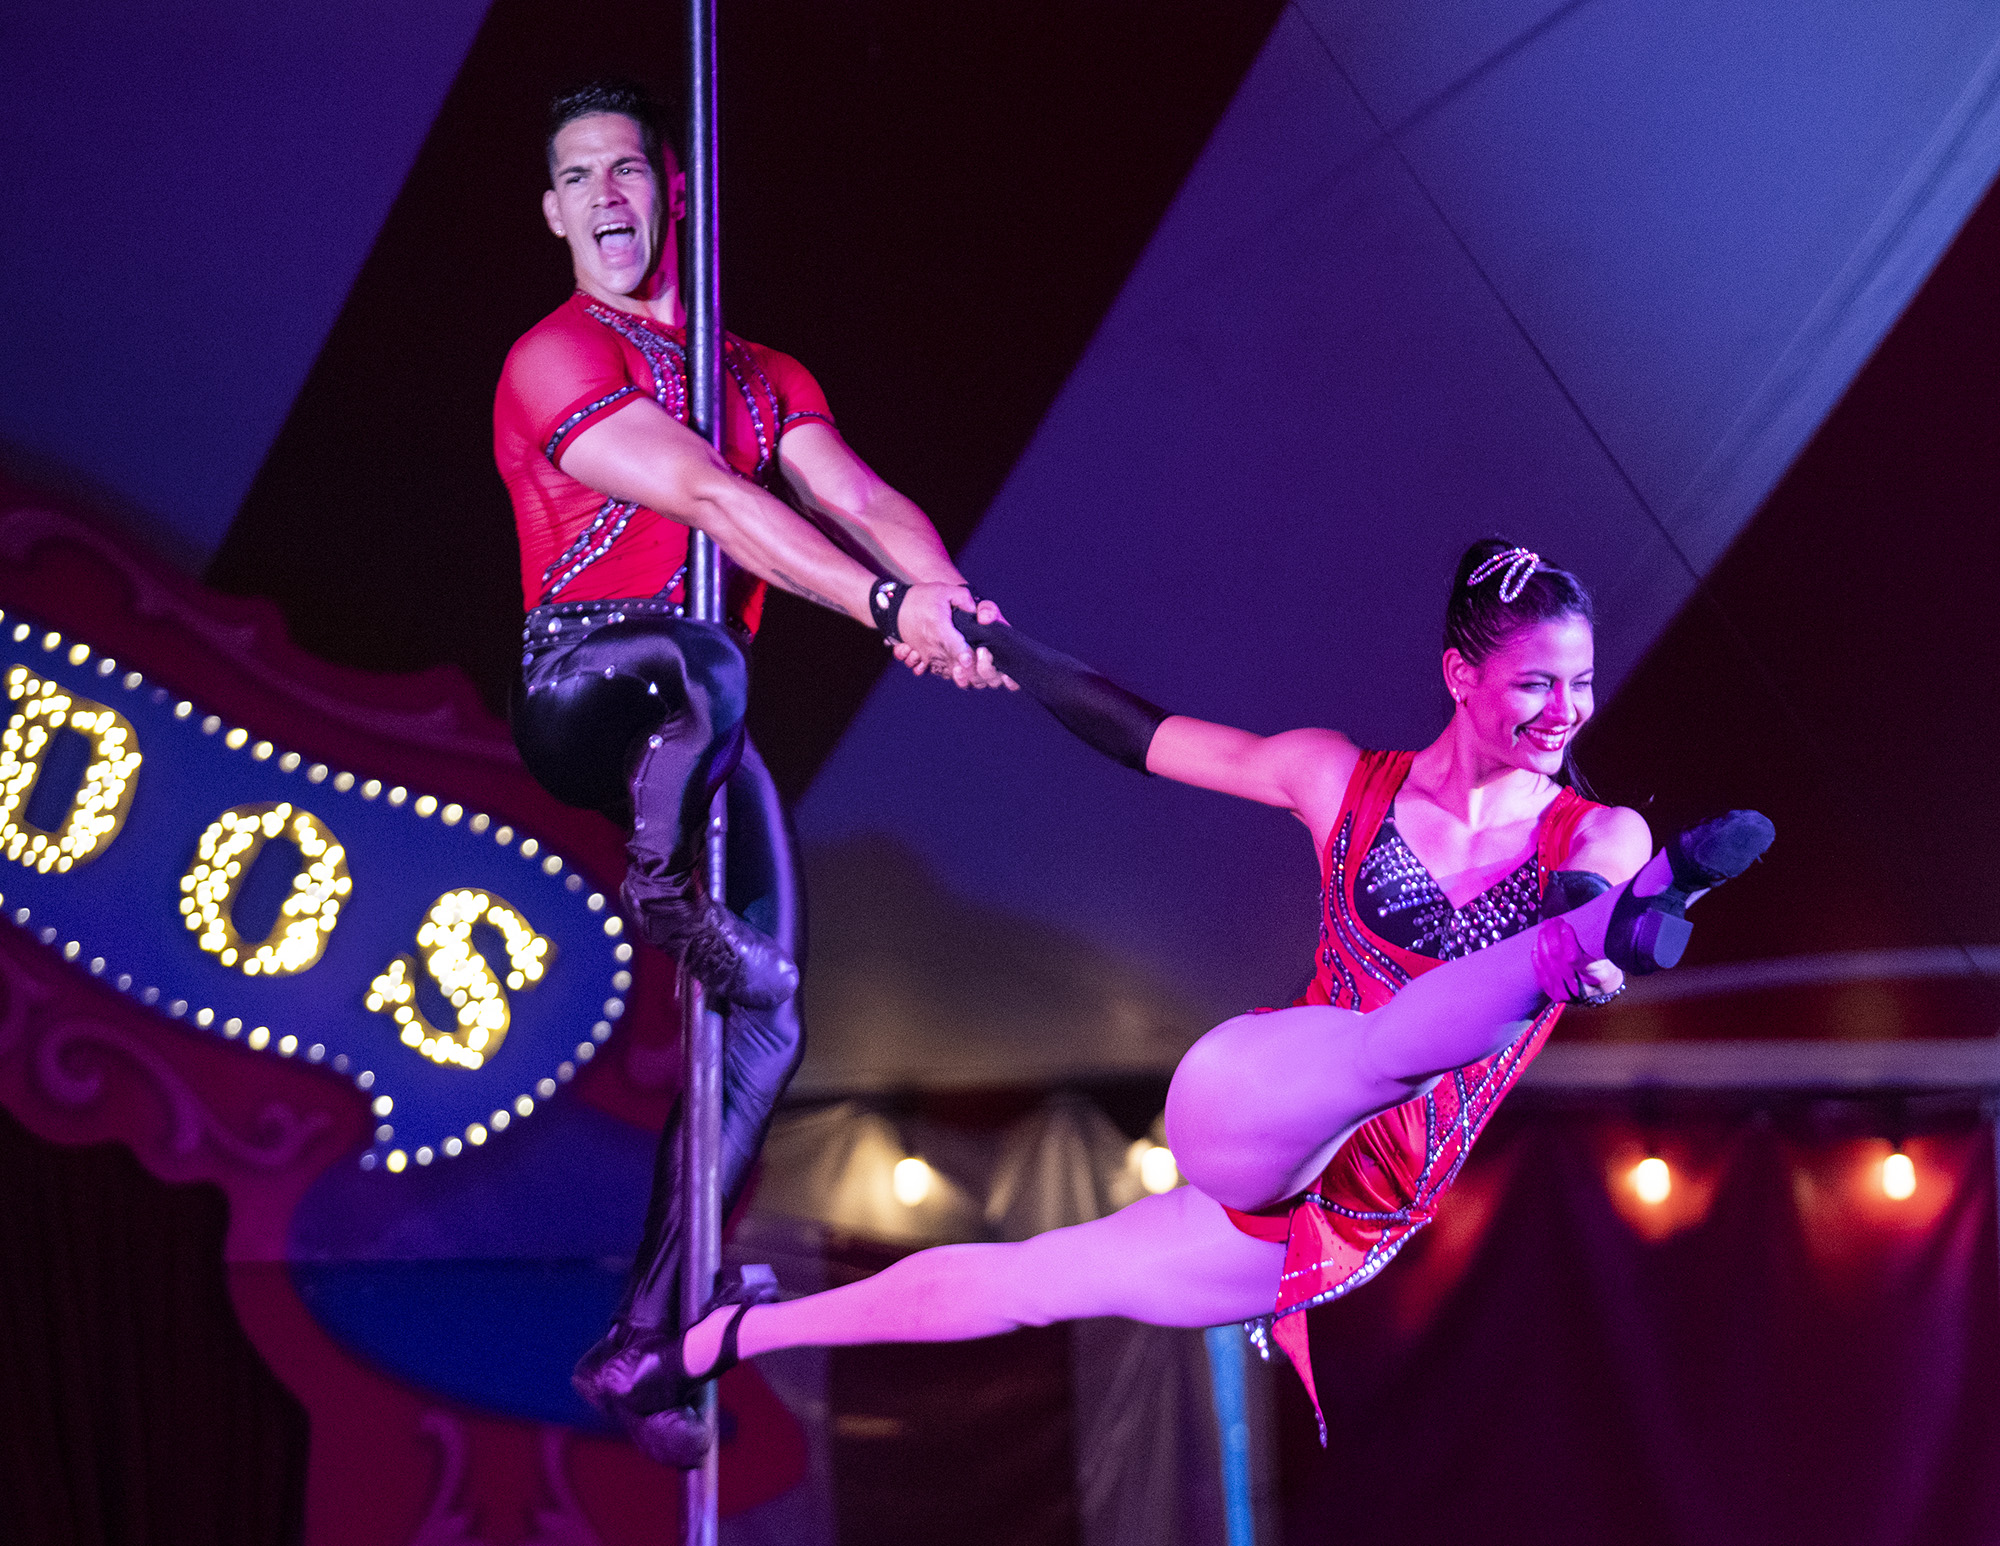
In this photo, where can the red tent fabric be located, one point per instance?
(1790, 1357)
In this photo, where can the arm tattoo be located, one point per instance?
(806, 591)
(852, 540)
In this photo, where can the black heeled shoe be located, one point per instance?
(675, 913)
(676, 1435)
(1650, 933)
(637, 1377)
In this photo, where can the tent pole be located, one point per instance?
(1228, 1379)
(701, 1022)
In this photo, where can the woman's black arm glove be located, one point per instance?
(1092, 707)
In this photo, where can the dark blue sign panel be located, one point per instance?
(452, 967)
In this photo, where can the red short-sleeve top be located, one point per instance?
(582, 361)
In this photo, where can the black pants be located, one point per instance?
(628, 709)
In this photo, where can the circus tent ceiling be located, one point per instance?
(1226, 327)
(1596, 290)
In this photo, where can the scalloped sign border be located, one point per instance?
(117, 913)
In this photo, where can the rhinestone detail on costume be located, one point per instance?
(668, 360)
(1457, 1109)
(587, 548)
(1411, 909)
(563, 429)
(734, 358)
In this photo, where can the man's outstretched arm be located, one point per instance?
(640, 454)
(845, 494)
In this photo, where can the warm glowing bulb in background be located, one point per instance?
(1157, 1170)
(910, 1181)
(1899, 1176)
(1652, 1180)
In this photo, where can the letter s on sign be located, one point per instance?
(463, 976)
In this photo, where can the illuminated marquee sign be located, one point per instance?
(245, 893)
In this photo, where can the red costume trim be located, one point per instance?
(1384, 1184)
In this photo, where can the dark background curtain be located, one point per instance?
(1778, 1353)
(132, 1407)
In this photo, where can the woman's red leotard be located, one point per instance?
(1384, 1184)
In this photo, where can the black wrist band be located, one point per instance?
(885, 603)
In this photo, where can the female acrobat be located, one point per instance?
(1468, 892)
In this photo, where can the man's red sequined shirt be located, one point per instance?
(582, 361)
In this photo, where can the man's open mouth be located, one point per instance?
(616, 241)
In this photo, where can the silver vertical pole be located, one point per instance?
(701, 1023)
(1228, 1378)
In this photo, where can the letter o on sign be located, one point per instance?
(223, 858)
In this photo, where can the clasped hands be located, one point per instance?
(930, 644)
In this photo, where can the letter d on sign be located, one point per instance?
(43, 709)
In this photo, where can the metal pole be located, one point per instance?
(701, 1023)
(1227, 1378)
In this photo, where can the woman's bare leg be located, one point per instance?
(1171, 1260)
(1256, 1108)
(1261, 1104)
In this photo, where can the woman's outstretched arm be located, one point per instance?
(1301, 770)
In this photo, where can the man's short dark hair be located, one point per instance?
(613, 96)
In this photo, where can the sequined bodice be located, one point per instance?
(1401, 901)
(1384, 921)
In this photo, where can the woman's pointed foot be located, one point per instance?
(1650, 933)
(710, 1343)
(638, 1376)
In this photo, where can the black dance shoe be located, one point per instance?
(1650, 933)
(675, 913)
(635, 1376)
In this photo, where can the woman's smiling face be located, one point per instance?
(1525, 702)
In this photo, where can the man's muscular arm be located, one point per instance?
(845, 494)
(639, 454)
